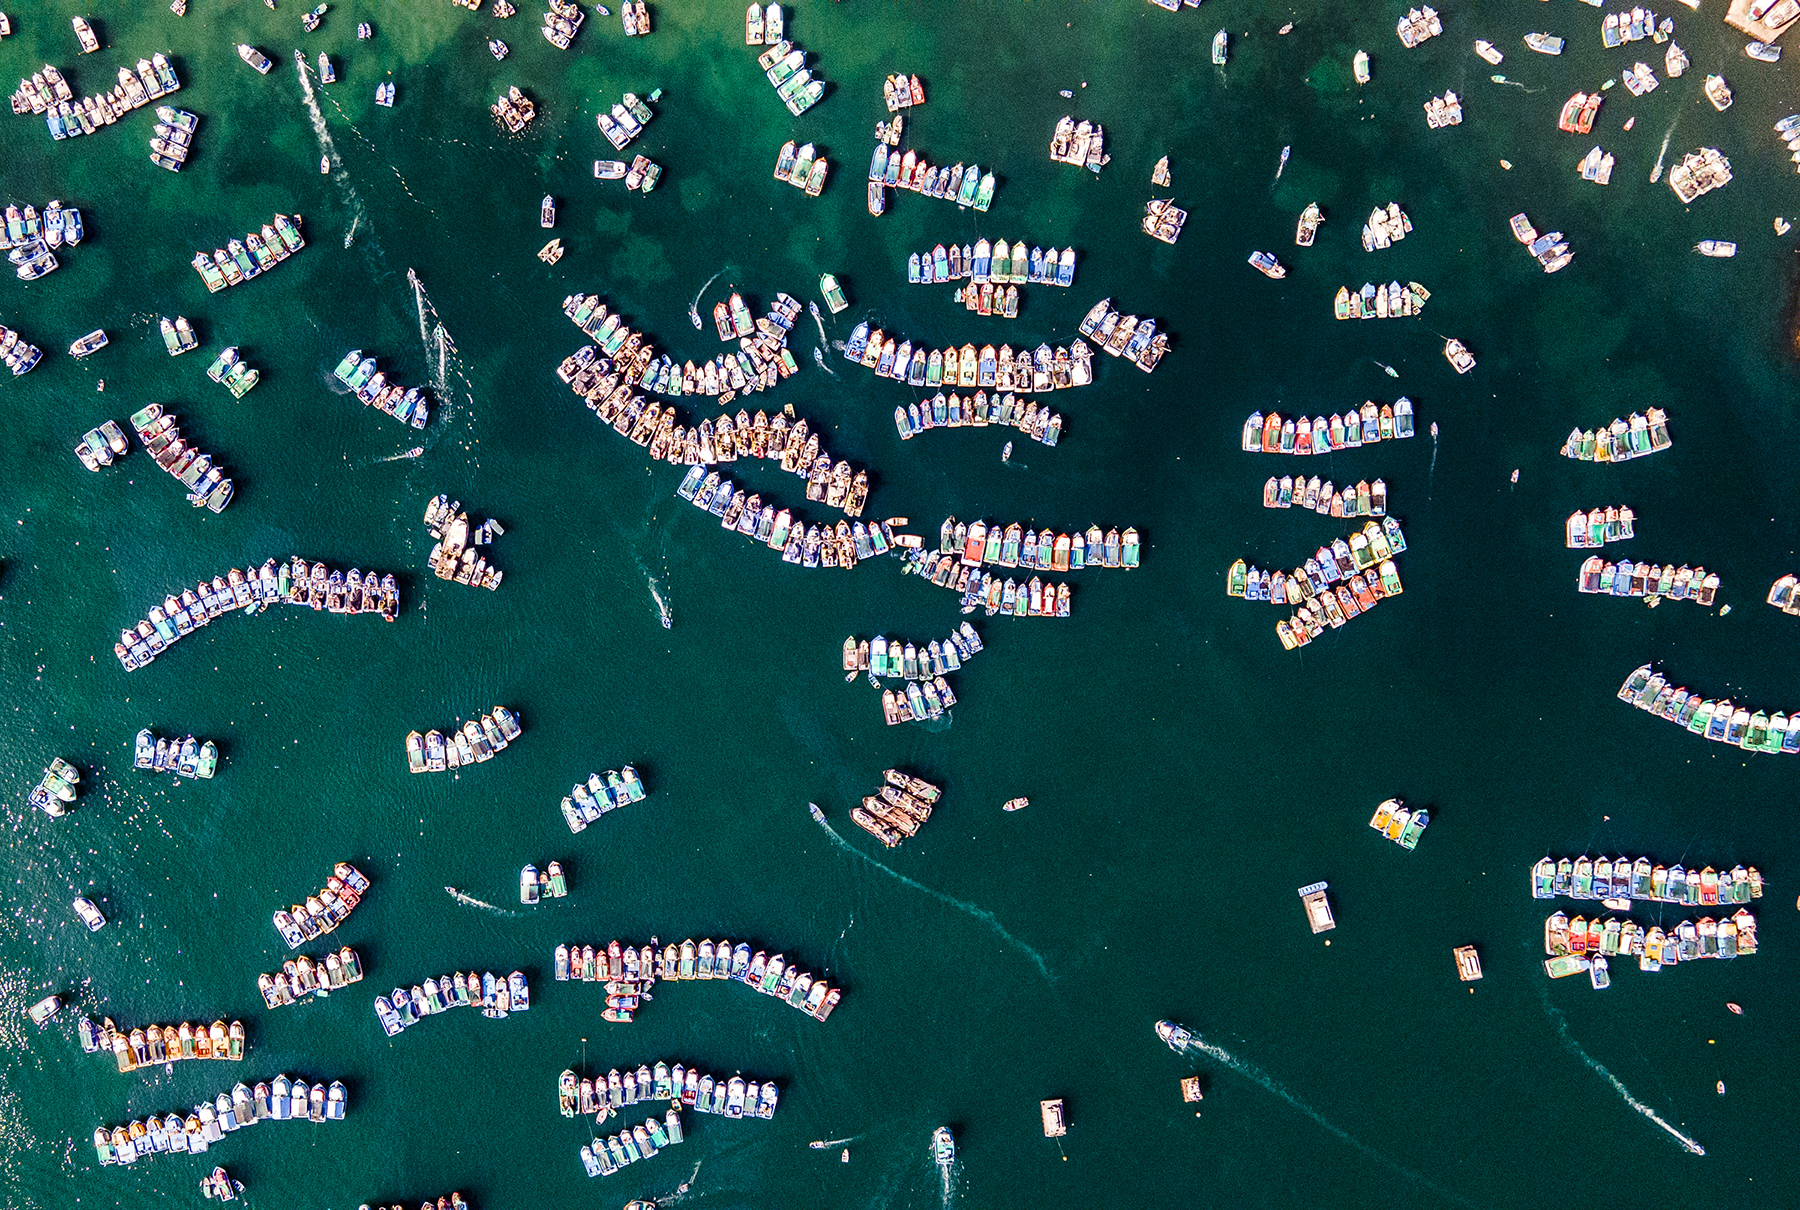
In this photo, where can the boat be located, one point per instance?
(1763, 52)
(547, 212)
(255, 58)
(1359, 66)
(1308, 227)
(1266, 264)
(609, 170)
(1458, 355)
(1468, 963)
(44, 1009)
(1718, 92)
(327, 74)
(1487, 50)
(85, 34)
(943, 1148)
(1055, 1125)
(1716, 247)
(833, 293)
(1544, 44)
(1218, 49)
(88, 344)
(1016, 804)
(753, 26)
(1174, 1035)
(1597, 974)
(324, 165)
(90, 915)
(1318, 908)
(384, 94)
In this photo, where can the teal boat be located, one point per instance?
(1415, 827)
(1130, 559)
(984, 196)
(834, 294)
(289, 232)
(221, 364)
(347, 367)
(970, 183)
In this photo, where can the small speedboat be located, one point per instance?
(1016, 804)
(324, 165)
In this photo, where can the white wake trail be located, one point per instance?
(339, 177)
(471, 901)
(1257, 1075)
(1568, 1040)
(985, 917)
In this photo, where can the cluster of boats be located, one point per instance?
(1038, 423)
(1675, 60)
(916, 702)
(1419, 25)
(384, 94)
(1626, 579)
(513, 109)
(807, 545)
(219, 1183)
(172, 138)
(989, 299)
(47, 93)
(1784, 595)
(900, 806)
(547, 883)
(1337, 564)
(19, 355)
(1163, 219)
(1642, 434)
(296, 585)
(1392, 301)
(31, 239)
(1614, 523)
(98, 447)
(1079, 143)
(629, 973)
(155, 1045)
(409, 405)
(878, 657)
(1386, 226)
(1354, 596)
(495, 995)
(1585, 945)
(562, 18)
(301, 977)
(1014, 546)
(323, 912)
(1699, 172)
(1578, 112)
(1639, 79)
(1272, 434)
(233, 372)
(1551, 251)
(785, 66)
(56, 789)
(980, 589)
(605, 1156)
(1444, 111)
(1365, 499)
(454, 1200)
(1616, 29)
(1401, 824)
(1788, 131)
(182, 757)
(1718, 721)
(804, 169)
(281, 1099)
(634, 16)
(453, 555)
(674, 1083)
(1622, 879)
(239, 261)
(178, 334)
(1037, 370)
(1128, 336)
(622, 358)
(902, 92)
(601, 793)
(890, 170)
(1596, 166)
(626, 121)
(997, 263)
(206, 484)
(762, 24)
(467, 743)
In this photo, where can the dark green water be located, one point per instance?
(1185, 773)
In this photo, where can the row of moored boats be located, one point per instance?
(156, 1045)
(984, 590)
(1372, 423)
(1127, 336)
(281, 1099)
(409, 405)
(967, 187)
(99, 446)
(1400, 823)
(172, 139)
(1038, 423)
(784, 64)
(31, 239)
(798, 542)
(301, 977)
(467, 743)
(205, 482)
(1364, 499)
(675, 1083)
(1628, 579)
(495, 995)
(262, 589)
(547, 883)
(1623, 878)
(878, 657)
(1720, 721)
(601, 793)
(47, 93)
(182, 757)
(1082, 144)
(621, 358)
(1337, 564)
(1039, 370)
(1586, 945)
(56, 789)
(1046, 550)
(323, 912)
(1614, 523)
(1642, 434)
(239, 261)
(997, 263)
(629, 973)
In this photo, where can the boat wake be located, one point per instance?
(1282, 166)
(662, 606)
(694, 307)
(339, 177)
(1568, 1040)
(970, 909)
(819, 360)
(1257, 1075)
(1433, 470)
(1656, 172)
(827, 1144)
(471, 901)
(821, 323)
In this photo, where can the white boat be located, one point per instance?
(1544, 44)
(1716, 247)
(1458, 355)
(1359, 67)
(1718, 92)
(1488, 51)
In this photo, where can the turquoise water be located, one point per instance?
(1185, 773)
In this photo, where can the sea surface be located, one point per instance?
(1185, 773)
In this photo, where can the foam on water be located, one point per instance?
(1568, 1040)
(468, 900)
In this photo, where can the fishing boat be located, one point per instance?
(1266, 264)
(324, 165)
(1763, 52)
(1218, 49)
(1458, 355)
(90, 915)
(93, 341)
(753, 26)
(833, 293)
(943, 1148)
(1359, 66)
(254, 57)
(1718, 92)
(85, 34)
(1544, 44)
(1308, 227)
(1716, 247)
(1016, 804)
(1055, 1125)
(1487, 50)
(547, 212)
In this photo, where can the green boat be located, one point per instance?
(833, 293)
(970, 182)
(209, 760)
(224, 362)
(1390, 579)
(1129, 558)
(1018, 264)
(1235, 582)
(209, 273)
(289, 232)
(984, 197)
(171, 337)
(265, 259)
(347, 366)
(240, 378)
(1415, 827)
(1564, 965)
